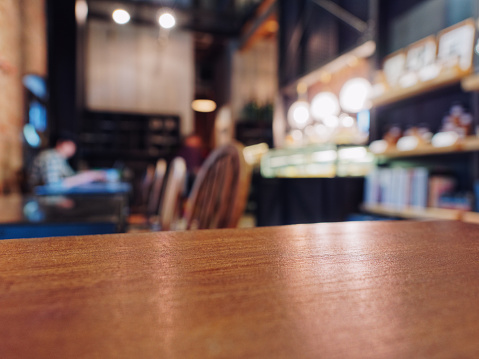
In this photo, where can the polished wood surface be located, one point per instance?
(346, 290)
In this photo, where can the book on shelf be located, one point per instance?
(397, 188)
(439, 186)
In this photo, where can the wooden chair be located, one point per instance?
(150, 194)
(146, 185)
(220, 191)
(153, 202)
(170, 208)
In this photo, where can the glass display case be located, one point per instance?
(326, 161)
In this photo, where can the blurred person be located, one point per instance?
(193, 153)
(51, 166)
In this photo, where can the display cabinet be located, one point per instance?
(429, 72)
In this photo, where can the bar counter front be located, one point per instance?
(343, 290)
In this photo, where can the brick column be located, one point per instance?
(34, 38)
(11, 96)
(23, 50)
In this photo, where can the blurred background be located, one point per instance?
(347, 109)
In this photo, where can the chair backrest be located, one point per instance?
(155, 193)
(220, 191)
(170, 206)
(146, 185)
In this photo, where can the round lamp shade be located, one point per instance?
(203, 105)
(298, 114)
(324, 105)
(354, 95)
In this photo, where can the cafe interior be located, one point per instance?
(198, 178)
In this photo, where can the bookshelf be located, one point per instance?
(424, 104)
(423, 213)
(468, 144)
(470, 217)
(414, 213)
(137, 139)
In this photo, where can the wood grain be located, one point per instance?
(347, 290)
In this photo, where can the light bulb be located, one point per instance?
(203, 105)
(354, 95)
(331, 121)
(167, 20)
(346, 121)
(324, 104)
(121, 16)
(298, 114)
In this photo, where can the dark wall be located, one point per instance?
(407, 21)
(311, 36)
(62, 66)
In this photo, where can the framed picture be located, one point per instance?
(456, 46)
(394, 67)
(421, 54)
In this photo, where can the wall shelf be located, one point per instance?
(469, 144)
(470, 217)
(399, 94)
(113, 136)
(470, 83)
(415, 213)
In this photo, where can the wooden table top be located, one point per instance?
(345, 290)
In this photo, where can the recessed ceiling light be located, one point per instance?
(167, 20)
(121, 16)
(81, 11)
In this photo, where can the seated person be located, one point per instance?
(51, 167)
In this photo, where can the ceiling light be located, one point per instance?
(81, 11)
(203, 105)
(121, 16)
(167, 20)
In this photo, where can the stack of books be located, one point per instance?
(397, 188)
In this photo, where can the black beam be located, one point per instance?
(209, 28)
(197, 11)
